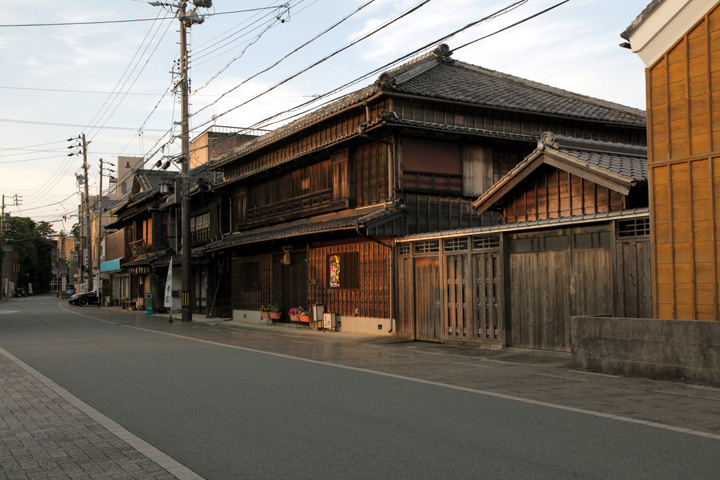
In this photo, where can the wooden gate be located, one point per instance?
(428, 299)
(457, 285)
(539, 291)
(488, 296)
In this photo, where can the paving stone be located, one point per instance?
(49, 435)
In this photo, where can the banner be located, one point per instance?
(168, 288)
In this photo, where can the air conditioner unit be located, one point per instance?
(329, 321)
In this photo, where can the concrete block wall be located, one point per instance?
(676, 350)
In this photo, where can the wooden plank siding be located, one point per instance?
(553, 193)
(683, 91)
(507, 122)
(245, 295)
(321, 137)
(370, 299)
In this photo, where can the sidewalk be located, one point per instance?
(48, 433)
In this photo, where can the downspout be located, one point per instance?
(392, 271)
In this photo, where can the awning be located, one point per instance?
(111, 266)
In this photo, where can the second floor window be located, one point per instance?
(200, 227)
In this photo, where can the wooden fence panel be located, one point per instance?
(539, 300)
(406, 298)
(458, 310)
(633, 279)
(488, 298)
(428, 299)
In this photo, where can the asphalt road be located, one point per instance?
(237, 404)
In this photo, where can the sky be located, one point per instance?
(113, 82)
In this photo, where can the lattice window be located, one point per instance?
(404, 249)
(427, 246)
(637, 227)
(485, 242)
(455, 244)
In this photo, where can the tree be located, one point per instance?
(29, 238)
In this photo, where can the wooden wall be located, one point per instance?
(371, 299)
(683, 92)
(250, 297)
(466, 116)
(553, 193)
(523, 288)
(306, 142)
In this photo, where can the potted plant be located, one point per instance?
(265, 311)
(275, 313)
(295, 313)
(304, 315)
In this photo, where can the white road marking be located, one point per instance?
(445, 385)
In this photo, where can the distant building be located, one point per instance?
(217, 140)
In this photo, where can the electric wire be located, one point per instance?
(295, 50)
(131, 20)
(266, 122)
(318, 62)
(118, 87)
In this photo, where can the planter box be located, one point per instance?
(275, 315)
(294, 318)
(305, 318)
(265, 314)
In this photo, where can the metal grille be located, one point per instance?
(637, 227)
(455, 244)
(484, 242)
(427, 246)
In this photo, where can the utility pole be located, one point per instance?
(185, 142)
(187, 19)
(88, 220)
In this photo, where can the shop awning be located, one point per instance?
(111, 266)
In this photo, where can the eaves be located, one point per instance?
(358, 100)
(335, 141)
(540, 113)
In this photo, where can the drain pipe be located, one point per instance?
(392, 271)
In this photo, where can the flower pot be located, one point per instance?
(265, 314)
(305, 318)
(275, 315)
(294, 318)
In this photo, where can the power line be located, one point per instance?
(131, 20)
(75, 125)
(324, 32)
(502, 11)
(313, 65)
(118, 87)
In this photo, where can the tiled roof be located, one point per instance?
(618, 166)
(151, 179)
(627, 161)
(463, 82)
(436, 75)
(336, 221)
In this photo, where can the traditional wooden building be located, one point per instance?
(145, 238)
(573, 239)
(315, 208)
(678, 42)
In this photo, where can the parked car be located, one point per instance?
(20, 292)
(84, 299)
